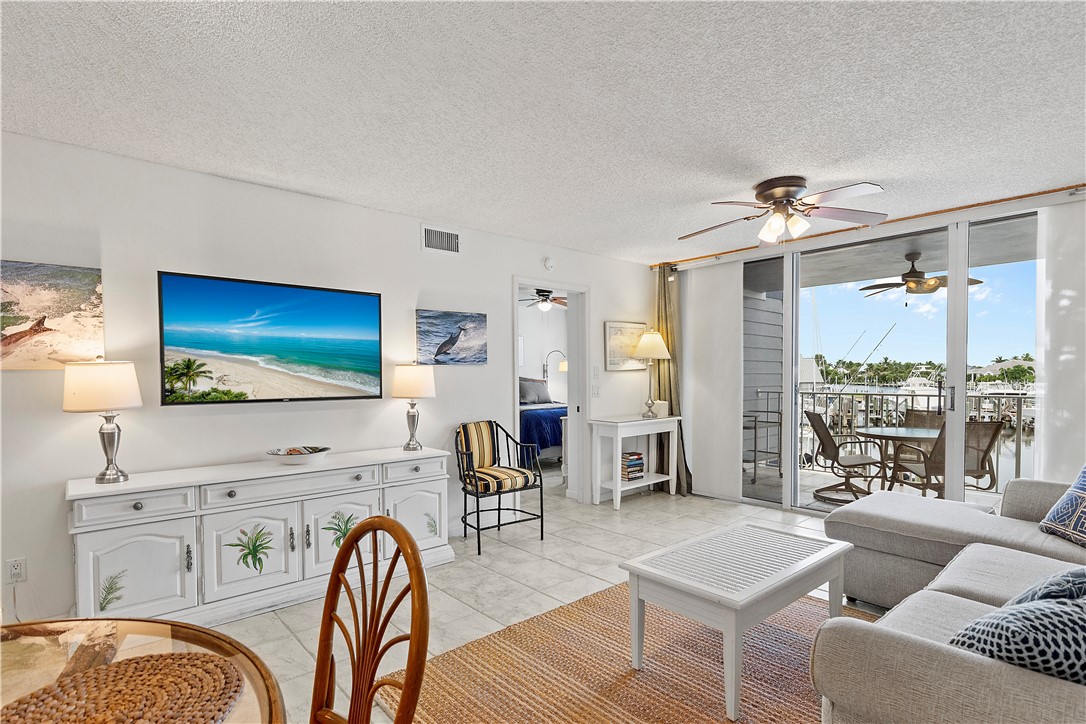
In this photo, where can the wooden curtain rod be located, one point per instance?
(888, 221)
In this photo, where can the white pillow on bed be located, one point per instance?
(533, 392)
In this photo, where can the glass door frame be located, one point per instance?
(957, 224)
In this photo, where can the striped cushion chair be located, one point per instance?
(486, 472)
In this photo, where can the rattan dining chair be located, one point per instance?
(831, 454)
(926, 469)
(363, 623)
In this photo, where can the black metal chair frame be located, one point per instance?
(515, 453)
(830, 460)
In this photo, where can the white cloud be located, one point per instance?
(928, 309)
(980, 293)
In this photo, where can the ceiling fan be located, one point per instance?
(783, 199)
(914, 280)
(545, 299)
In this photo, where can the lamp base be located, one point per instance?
(110, 436)
(649, 413)
(412, 445)
(112, 474)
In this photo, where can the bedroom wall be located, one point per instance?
(542, 332)
(68, 205)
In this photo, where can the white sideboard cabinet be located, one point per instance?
(216, 543)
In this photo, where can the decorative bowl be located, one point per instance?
(299, 455)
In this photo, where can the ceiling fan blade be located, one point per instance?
(884, 285)
(751, 204)
(855, 216)
(838, 194)
(733, 221)
(972, 282)
(881, 291)
(560, 301)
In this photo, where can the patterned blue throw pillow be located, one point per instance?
(1069, 584)
(1048, 636)
(1067, 519)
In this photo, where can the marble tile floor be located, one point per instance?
(516, 577)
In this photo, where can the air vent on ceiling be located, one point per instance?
(440, 240)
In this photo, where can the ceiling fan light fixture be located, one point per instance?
(773, 228)
(545, 305)
(797, 225)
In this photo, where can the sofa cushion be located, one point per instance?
(993, 574)
(935, 531)
(1069, 584)
(1067, 519)
(1048, 636)
(934, 615)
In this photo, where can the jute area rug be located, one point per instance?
(572, 664)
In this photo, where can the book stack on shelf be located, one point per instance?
(633, 466)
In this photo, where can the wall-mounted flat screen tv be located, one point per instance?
(231, 340)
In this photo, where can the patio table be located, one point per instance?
(889, 436)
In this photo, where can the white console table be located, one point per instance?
(220, 542)
(619, 428)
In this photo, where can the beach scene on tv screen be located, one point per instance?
(226, 340)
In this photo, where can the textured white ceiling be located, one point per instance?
(603, 127)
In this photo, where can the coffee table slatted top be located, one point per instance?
(735, 564)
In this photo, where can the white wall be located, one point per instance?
(1061, 346)
(67, 205)
(543, 332)
(713, 378)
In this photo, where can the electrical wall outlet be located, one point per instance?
(16, 570)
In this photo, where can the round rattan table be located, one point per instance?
(106, 670)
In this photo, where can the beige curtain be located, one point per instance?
(667, 371)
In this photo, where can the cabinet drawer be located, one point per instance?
(133, 507)
(413, 469)
(222, 495)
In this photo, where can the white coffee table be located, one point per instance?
(731, 579)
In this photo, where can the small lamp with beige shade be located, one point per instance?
(103, 387)
(651, 347)
(413, 382)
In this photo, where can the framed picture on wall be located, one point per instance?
(52, 314)
(450, 338)
(619, 341)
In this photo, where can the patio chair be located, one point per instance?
(924, 418)
(926, 470)
(483, 474)
(846, 466)
(363, 623)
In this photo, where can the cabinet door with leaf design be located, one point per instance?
(250, 550)
(327, 520)
(136, 570)
(422, 508)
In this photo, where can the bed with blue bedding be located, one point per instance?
(541, 424)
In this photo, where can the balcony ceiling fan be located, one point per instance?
(914, 281)
(783, 199)
(545, 299)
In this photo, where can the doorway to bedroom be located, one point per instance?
(550, 369)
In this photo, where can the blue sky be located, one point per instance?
(1002, 318)
(197, 303)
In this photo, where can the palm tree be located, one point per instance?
(1026, 357)
(999, 359)
(188, 372)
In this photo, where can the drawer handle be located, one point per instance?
(417, 468)
(308, 537)
(232, 494)
(188, 558)
(137, 505)
(292, 539)
(358, 476)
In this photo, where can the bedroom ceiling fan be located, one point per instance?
(545, 299)
(783, 199)
(914, 281)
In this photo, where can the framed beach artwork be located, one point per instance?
(51, 314)
(620, 340)
(450, 338)
(236, 340)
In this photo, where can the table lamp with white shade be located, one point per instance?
(103, 387)
(650, 347)
(413, 382)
